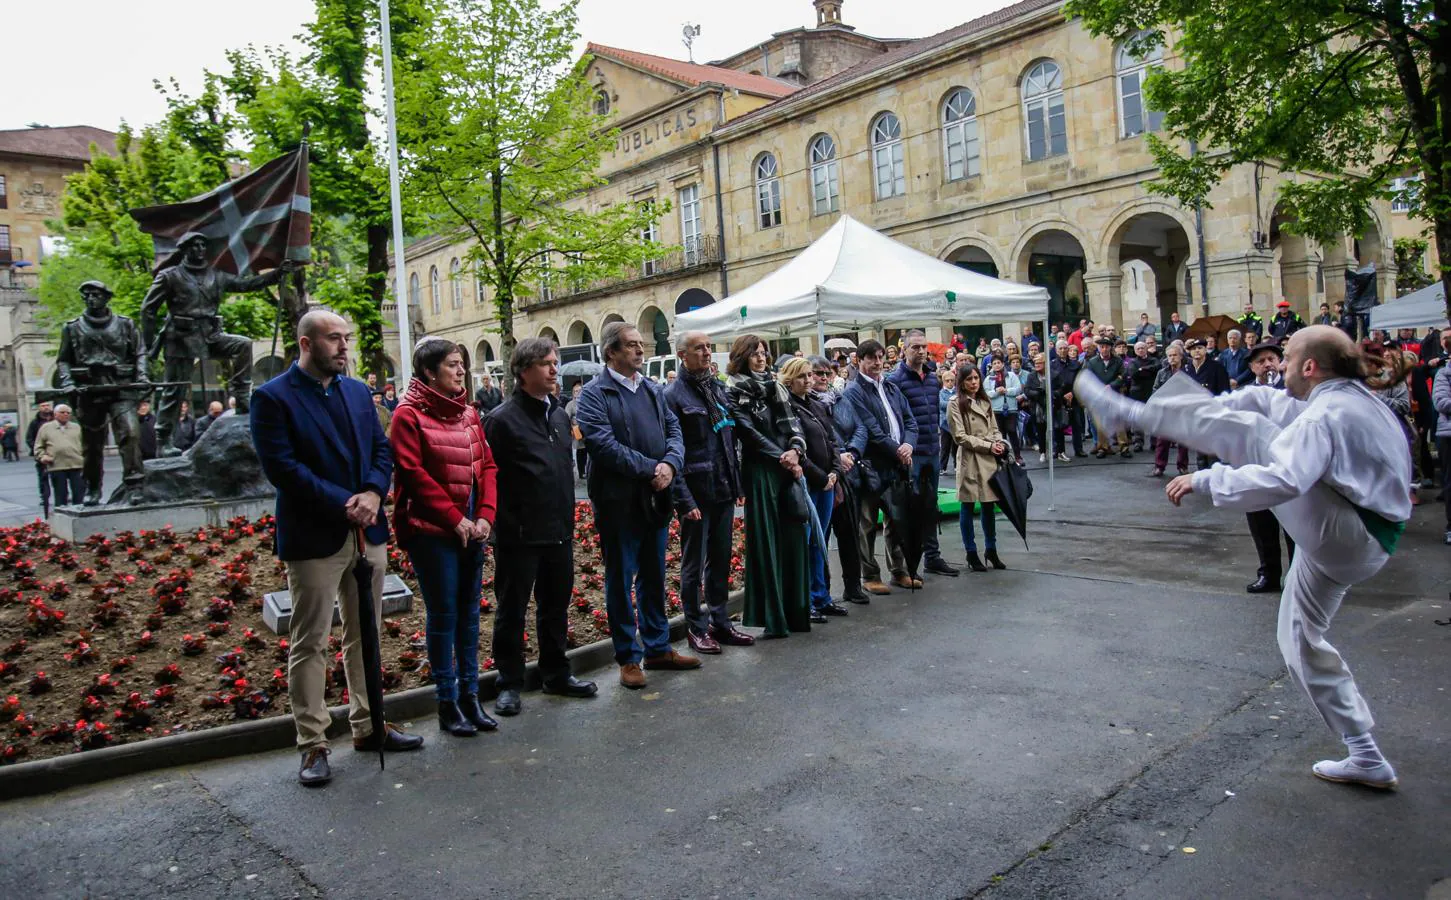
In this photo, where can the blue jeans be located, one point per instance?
(820, 592)
(989, 527)
(930, 550)
(449, 575)
(635, 580)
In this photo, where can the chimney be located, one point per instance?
(828, 12)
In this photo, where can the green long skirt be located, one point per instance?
(778, 579)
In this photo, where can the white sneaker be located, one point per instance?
(1351, 771)
(1042, 457)
(1062, 457)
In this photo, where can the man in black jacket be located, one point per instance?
(488, 397)
(1264, 528)
(1175, 330)
(707, 490)
(1205, 369)
(1062, 369)
(43, 414)
(891, 431)
(533, 526)
(147, 420)
(1109, 369)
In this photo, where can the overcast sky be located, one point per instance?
(92, 62)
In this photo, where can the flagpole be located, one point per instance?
(405, 342)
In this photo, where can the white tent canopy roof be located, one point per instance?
(854, 278)
(1425, 308)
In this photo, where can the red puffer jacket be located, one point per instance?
(439, 455)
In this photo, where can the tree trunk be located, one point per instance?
(1443, 258)
(377, 280)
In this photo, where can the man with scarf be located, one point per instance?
(705, 496)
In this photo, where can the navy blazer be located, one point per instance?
(617, 471)
(314, 468)
(881, 450)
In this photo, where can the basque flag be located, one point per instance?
(253, 222)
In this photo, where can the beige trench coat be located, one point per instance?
(974, 434)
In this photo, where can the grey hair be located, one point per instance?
(820, 362)
(311, 321)
(683, 339)
(1234, 332)
(916, 332)
(529, 352)
(613, 338)
(60, 407)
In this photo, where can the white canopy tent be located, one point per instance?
(854, 278)
(1425, 308)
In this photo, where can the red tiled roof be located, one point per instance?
(910, 50)
(66, 142)
(696, 74)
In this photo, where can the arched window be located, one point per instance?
(768, 191)
(458, 283)
(1043, 118)
(959, 135)
(602, 102)
(887, 165)
(435, 299)
(1133, 61)
(415, 293)
(825, 176)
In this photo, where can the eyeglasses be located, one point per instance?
(822, 374)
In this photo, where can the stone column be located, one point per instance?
(1105, 299)
(1297, 282)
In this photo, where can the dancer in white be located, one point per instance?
(1323, 456)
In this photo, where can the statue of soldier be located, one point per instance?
(193, 292)
(103, 360)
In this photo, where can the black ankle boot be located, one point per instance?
(469, 705)
(974, 562)
(452, 720)
(992, 557)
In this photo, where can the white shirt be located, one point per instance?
(893, 426)
(1342, 435)
(630, 384)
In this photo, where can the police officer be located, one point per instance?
(1251, 321)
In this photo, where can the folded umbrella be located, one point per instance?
(1013, 488)
(372, 645)
(918, 519)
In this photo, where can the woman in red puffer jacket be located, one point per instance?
(443, 513)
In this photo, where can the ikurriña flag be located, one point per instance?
(252, 223)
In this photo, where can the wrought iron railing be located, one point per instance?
(704, 250)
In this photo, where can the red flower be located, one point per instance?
(193, 645)
(122, 663)
(39, 683)
(168, 674)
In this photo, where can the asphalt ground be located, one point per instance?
(1071, 727)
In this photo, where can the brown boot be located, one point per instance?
(632, 676)
(876, 587)
(904, 581)
(672, 661)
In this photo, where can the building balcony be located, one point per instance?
(704, 253)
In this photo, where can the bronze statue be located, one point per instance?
(102, 362)
(193, 293)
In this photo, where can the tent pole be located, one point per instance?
(820, 327)
(1048, 430)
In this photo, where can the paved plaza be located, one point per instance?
(1109, 717)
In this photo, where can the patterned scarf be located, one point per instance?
(701, 381)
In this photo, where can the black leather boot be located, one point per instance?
(474, 713)
(992, 557)
(452, 720)
(974, 562)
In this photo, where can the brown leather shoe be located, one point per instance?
(632, 677)
(732, 637)
(904, 581)
(917, 583)
(876, 587)
(702, 643)
(672, 662)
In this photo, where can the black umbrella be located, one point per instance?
(372, 646)
(1010, 482)
(920, 517)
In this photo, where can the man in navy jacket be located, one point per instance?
(916, 378)
(322, 447)
(891, 432)
(635, 452)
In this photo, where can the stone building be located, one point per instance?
(34, 163)
(1013, 145)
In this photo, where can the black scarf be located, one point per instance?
(701, 381)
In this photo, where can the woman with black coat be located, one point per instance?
(821, 464)
(778, 580)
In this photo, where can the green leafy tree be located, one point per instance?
(1410, 265)
(1348, 95)
(501, 146)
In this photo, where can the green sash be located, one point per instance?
(1385, 532)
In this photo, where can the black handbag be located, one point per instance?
(795, 505)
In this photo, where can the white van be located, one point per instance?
(657, 366)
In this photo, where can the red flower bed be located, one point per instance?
(160, 632)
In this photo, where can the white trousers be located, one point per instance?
(1333, 549)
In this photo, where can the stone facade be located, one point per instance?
(1080, 220)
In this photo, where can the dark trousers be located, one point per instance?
(449, 576)
(634, 559)
(705, 566)
(1161, 455)
(1008, 425)
(844, 518)
(581, 459)
(42, 476)
(945, 453)
(69, 486)
(1443, 448)
(1264, 529)
(548, 574)
(1072, 417)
